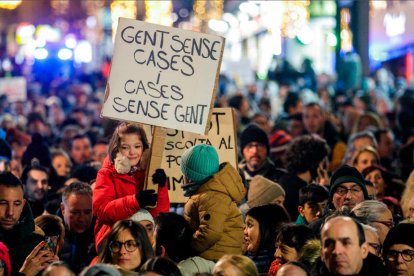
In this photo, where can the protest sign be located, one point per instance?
(13, 88)
(221, 135)
(163, 76)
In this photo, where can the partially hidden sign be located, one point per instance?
(14, 89)
(221, 135)
(163, 76)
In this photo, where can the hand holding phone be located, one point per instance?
(51, 243)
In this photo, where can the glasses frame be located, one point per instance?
(404, 254)
(122, 244)
(377, 247)
(354, 190)
(389, 224)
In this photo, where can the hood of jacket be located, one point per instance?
(228, 181)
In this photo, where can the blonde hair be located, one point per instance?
(365, 149)
(407, 194)
(243, 264)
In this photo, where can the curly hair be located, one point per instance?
(305, 153)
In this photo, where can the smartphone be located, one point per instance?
(51, 243)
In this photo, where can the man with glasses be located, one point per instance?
(398, 250)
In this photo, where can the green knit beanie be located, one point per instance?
(200, 162)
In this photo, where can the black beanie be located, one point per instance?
(254, 133)
(346, 174)
(37, 149)
(400, 234)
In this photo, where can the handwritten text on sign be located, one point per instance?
(221, 135)
(163, 76)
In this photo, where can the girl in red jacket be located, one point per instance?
(119, 193)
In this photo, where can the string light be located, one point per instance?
(295, 17)
(206, 10)
(60, 7)
(126, 9)
(10, 5)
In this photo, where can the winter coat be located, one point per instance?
(114, 198)
(268, 170)
(372, 266)
(291, 183)
(213, 214)
(21, 239)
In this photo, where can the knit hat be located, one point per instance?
(200, 162)
(400, 234)
(37, 149)
(141, 215)
(263, 191)
(343, 175)
(254, 133)
(5, 258)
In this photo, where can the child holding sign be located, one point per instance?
(215, 191)
(119, 186)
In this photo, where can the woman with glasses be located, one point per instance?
(126, 245)
(398, 250)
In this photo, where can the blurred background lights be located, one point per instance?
(218, 25)
(70, 41)
(65, 54)
(83, 52)
(41, 53)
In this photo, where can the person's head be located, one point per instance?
(343, 246)
(235, 265)
(375, 174)
(372, 238)
(100, 150)
(264, 191)
(312, 201)
(254, 145)
(295, 125)
(172, 236)
(100, 269)
(52, 226)
(293, 269)
(385, 139)
(145, 218)
(362, 139)
(61, 162)
(159, 266)
(371, 190)
(126, 245)
(80, 149)
(293, 104)
(12, 201)
(367, 120)
(347, 188)
(376, 214)
(290, 240)
(305, 153)
(76, 207)
(199, 163)
(313, 118)
(130, 140)
(261, 120)
(58, 268)
(240, 103)
(410, 211)
(398, 250)
(35, 179)
(261, 225)
(365, 157)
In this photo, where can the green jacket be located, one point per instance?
(21, 239)
(213, 214)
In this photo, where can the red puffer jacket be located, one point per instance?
(114, 198)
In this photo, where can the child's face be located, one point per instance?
(131, 147)
(312, 211)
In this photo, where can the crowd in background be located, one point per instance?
(324, 184)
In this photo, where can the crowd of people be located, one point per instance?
(324, 186)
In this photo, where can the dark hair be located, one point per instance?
(78, 137)
(10, 180)
(313, 104)
(76, 188)
(161, 266)
(85, 172)
(294, 235)
(312, 194)
(34, 166)
(137, 231)
(270, 217)
(174, 234)
(52, 226)
(236, 101)
(123, 129)
(292, 99)
(305, 153)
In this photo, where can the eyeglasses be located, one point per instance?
(259, 146)
(407, 255)
(116, 246)
(343, 191)
(377, 247)
(388, 223)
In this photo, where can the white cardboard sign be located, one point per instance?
(163, 76)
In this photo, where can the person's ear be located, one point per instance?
(62, 208)
(364, 250)
(301, 211)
